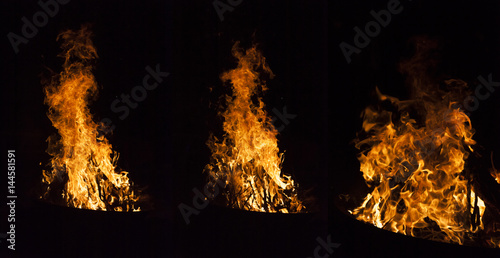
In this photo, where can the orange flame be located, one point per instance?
(494, 172)
(247, 159)
(82, 157)
(415, 170)
(413, 159)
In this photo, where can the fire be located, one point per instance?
(247, 160)
(494, 172)
(416, 171)
(413, 159)
(82, 159)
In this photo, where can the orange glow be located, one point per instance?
(81, 157)
(247, 159)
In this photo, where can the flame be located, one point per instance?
(82, 157)
(494, 172)
(413, 159)
(247, 160)
(416, 171)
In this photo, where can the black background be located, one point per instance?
(162, 142)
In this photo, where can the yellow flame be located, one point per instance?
(82, 156)
(416, 171)
(247, 160)
(496, 175)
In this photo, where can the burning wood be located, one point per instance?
(83, 164)
(247, 160)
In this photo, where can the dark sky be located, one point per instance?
(191, 43)
(467, 39)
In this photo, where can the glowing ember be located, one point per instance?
(247, 159)
(82, 159)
